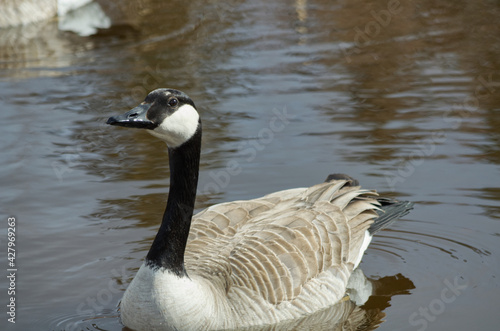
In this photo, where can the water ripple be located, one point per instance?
(106, 320)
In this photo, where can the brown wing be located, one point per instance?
(276, 244)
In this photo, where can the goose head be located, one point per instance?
(167, 114)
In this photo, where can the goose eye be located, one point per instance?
(173, 102)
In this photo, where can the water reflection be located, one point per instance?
(405, 99)
(344, 315)
(35, 46)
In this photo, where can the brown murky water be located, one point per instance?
(402, 95)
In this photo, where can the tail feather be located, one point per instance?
(390, 211)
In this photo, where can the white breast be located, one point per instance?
(160, 300)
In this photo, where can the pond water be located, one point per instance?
(402, 95)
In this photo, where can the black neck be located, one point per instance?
(167, 250)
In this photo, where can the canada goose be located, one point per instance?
(243, 263)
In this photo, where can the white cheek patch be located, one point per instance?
(179, 127)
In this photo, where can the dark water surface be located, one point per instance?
(402, 95)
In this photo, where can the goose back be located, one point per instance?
(285, 254)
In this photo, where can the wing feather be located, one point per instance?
(282, 245)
